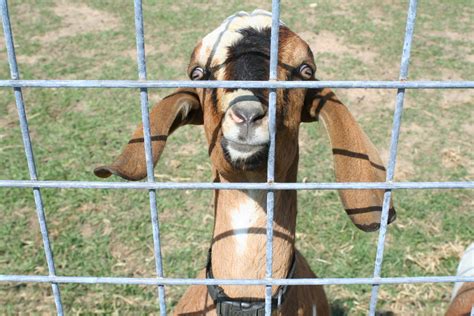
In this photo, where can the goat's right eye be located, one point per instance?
(197, 73)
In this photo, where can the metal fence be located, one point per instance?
(143, 84)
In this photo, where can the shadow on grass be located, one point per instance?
(338, 309)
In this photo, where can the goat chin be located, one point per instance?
(245, 157)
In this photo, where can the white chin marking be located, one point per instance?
(238, 155)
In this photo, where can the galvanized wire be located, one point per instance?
(234, 186)
(272, 98)
(249, 282)
(136, 84)
(142, 75)
(15, 75)
(397, 118)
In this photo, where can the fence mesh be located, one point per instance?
(151, 185)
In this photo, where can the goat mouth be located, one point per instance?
(244, 156)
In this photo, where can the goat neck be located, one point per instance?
(239, 240)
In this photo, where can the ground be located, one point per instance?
(108, 233)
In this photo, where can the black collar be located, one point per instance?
(226, 306)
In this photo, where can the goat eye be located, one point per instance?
(306, 72)
(197, 73)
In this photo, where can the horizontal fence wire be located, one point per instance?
(134, 84)
(268, 282)
(234, 185)
(151, 185)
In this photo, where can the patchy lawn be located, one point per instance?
(108, 233)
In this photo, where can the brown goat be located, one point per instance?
(236, 127)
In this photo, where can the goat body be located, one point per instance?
(236, 126)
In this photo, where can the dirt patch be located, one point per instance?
(416, 297)
(30, 60)
(432, 225)
(10, 120)
(328, 42)
(27, 299)
(131, 261)
(78, 19)
(430, 260)
(454, 158)
(363, 101)
(455, 98)
(404, 167)
(455, 36)
(468, 128)
(413, 298)
(150, 50)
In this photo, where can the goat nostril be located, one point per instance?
(256, 117)
(236, 117)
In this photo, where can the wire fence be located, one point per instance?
(151, 186)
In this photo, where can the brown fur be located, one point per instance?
(462, 304)
(355, 159)
(299, 299)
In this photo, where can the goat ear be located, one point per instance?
(177, 109)
(355, 157)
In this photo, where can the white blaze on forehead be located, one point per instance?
(215, 44)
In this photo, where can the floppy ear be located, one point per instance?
(177, 109)
(355, 157)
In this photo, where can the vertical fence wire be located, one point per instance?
(141, 61)
(397, 117)
(271, 151)
(25, 133)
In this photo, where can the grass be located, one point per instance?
(108, 233)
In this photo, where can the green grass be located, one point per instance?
(108, 233)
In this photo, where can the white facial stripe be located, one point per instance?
(215, 44)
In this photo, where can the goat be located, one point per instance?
(236, 127)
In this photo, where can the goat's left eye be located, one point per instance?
(306, 72)
(197, 73)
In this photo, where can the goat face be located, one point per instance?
(236, 120)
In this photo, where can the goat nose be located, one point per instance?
(246, 114)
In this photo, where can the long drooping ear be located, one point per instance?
(177, 109)
(355, 157)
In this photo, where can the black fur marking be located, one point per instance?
(214, 100)
(249, 58)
